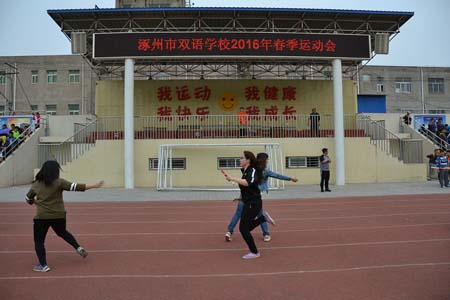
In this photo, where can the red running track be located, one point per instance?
(354, 248)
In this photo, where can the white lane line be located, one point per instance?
(236, 249)
(221, 232)
(268, 203)
(162, 213)
(281, 273)
(224, 221)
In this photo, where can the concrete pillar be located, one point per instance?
(129, 124)
(339, 138)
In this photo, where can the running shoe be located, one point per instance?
(228, 236)
(269, 218)
(40, 268)
(83, 253)
(267, 238)
(251, 255)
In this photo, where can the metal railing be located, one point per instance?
(226, 126)
(431, 136)
(408, 151)
(72, 148)
(15, 143)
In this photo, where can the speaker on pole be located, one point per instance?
(78, 42)
(382, 43)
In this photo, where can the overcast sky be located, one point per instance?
(26, 29)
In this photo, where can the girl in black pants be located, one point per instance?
(46, 194)
(252, 175)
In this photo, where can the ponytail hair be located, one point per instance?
(262, 159)
(49, 172)
(255, 164)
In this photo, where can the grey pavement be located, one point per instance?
(15, 194)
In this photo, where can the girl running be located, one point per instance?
(262, 159)
(47, 194)
(252, 175)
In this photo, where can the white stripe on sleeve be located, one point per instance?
(253, 176)
(73, 187)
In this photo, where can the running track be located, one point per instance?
(381, 248)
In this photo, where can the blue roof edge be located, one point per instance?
(261, 9)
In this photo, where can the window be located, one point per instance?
(2, 110)
(51, 109)
(52, 76)
(380, 84)
(177, 164)
(436, 85)
(74, 109)
(365, 77)
(34, 77)
(228, 163)
(297, 162)
(2, 77)
(403, 85)
(74, 76)
(34, 108)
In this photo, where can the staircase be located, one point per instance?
(401, 146)
(427, 135)
(70, 149)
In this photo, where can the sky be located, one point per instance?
(26, 29)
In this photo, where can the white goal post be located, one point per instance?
(165, 172)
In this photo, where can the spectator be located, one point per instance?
(444, 132)
(324, 170)
(16, 133)
(37, 119)
(432, 162)
(442, 164)
(4, 131)
(432, 126)
(407, 118)
(314, 123)
(243, 122)
(439, 126)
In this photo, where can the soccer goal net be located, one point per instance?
(197, 166)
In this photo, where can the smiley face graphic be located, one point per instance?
(228, 102)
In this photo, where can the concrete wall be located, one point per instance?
(364, 162)
(391, 120)
(19, 167)
(63, 126)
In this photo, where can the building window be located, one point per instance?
(74, 76)
(380, 84)
(34, 77)
(365, 77)
(436, 85)
(34, 108)
(51, 109)
(228, 163)
(403, 85)
(52, 76)
(298, 162)
(2, 77)
(74, 109)
(2, 110)
(177, 164)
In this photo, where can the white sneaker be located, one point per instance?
(251, 255)
(228, 237)
(267, 238)
(40, 268)
(83, 253)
